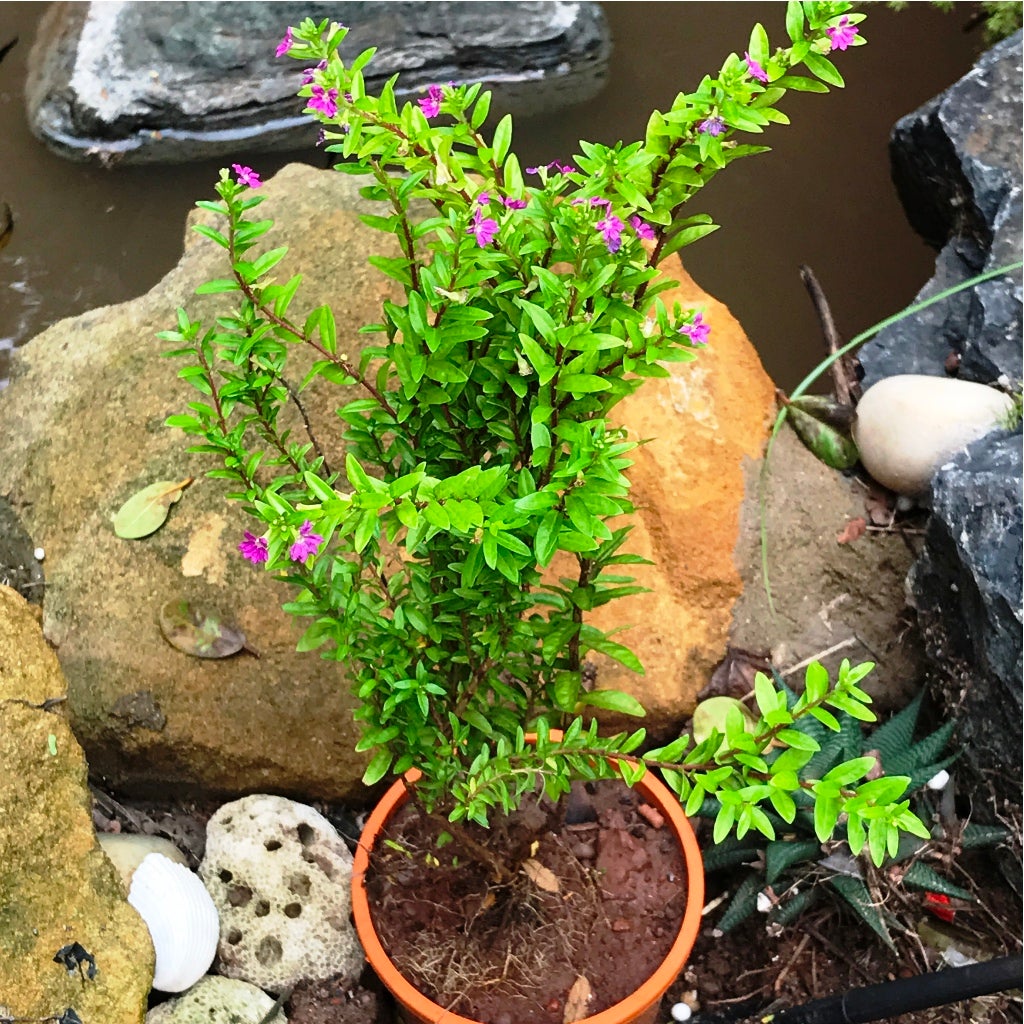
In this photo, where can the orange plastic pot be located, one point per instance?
(641, 1007)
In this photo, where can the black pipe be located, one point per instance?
(891, 998)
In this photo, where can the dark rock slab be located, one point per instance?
(957, 166)
(171, 82)
(967, 588)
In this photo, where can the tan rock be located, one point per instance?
(56, 886)
(84, 423)
(703, 423)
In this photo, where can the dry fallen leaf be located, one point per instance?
(542, 877)
(853, 529)
(199, 633)
(145, 511)
(576, 1003)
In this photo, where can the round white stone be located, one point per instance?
(939, 780)
(907, 426)
(680, 1011)
(39, 554)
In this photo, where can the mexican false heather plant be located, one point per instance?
(481, 445)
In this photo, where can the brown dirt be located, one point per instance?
(728, 979)
(599, 899)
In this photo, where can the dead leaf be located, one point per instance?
(880, 506)
(853, 529)
(542, 877)
(145, 511)
(734, 676)
(201, 634)
(576, 1003)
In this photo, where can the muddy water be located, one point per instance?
(86, 237)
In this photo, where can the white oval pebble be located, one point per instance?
(907, 426)
(681, 1012)
(939, 780)
(764, 902)
(39, 554)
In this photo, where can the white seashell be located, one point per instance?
(909, 425)
(127, 851)
(181, 919)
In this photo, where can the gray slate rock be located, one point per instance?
(957, 167)
(967, 587)
(170, 82)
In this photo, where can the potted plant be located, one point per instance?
(482, 445)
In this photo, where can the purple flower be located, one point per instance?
(483, 199)
(611, 231)
(431, 103)
(553, 166)
(643, 229)
(842, 34)
(755, 70)
(254, 548)
(712, 125)
(484, 228)
(324, 100)
(308, 543)
(285, 45)
(246, 176)
(697, 331)
(309, 73)
(514, 204)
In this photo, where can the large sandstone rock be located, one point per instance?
(84, 421)
(56, 886)
(148, 82)
(89, 399)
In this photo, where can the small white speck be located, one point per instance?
(680, 1011)
(939, 780)
(764, 902)
(39, 554)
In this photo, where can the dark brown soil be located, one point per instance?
(729, 979)
(600, 899)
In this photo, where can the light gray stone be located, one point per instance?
(216, 1000)
(170, 82)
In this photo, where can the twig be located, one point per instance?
(840, 368)
(792, 960)
(840, 953)
(849, 642)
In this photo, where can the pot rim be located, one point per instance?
(643, 998)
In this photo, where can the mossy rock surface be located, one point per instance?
(56, 886)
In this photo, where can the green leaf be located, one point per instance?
(613, 700)
(856, 894)
(147, 510)
(377, 768)
(218, 286)
(824, 69)
(582, 383)
(795, 21)
(502, 138)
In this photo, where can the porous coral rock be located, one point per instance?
(279, 875)
(213, 998)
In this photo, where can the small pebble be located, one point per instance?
(938, 781)
(764, 902)
(39, 554)
(681, 1012)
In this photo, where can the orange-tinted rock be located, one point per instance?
(704, 422)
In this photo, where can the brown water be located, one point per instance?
(86, 237)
